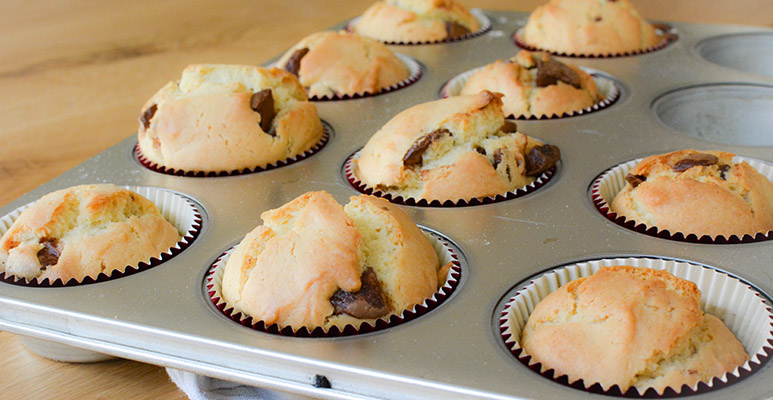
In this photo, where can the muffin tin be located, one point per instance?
(164, 316)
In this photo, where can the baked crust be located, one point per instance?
(516, 80)
(205, 121)
(718, 199)
(287, 270)
(340, 63)
(471, 157)
(588, 27)
(413, 20)
(630, 326)
(93, 228)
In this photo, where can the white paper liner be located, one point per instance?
(183, 213)
(153, 166)
(214, 278)
(607, 89)
(742, 308)
(351, 177)
(610, 182)
(483, 20)
(666, 38)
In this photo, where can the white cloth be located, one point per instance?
(198, 387)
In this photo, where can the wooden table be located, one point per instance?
(74, 75)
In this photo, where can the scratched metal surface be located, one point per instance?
(162, 315)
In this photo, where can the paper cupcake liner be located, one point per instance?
(415, 73)
(743, 309)
(606, 86)
(183, 213)
(445, 252)
(155, 167)
(412, 201)
(610, 182)
(483, 20)
(666, 38)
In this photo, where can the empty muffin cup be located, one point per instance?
(447, 255)
(743, 309)
(183, 213)
(610, 182)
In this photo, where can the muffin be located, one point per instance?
(630, 327)
(228, 117)
(457, 148)
(316, 264)
(83, 231)
(698, 192)
(588, 27)
(412, 21)
(535, 84)
(339, 63)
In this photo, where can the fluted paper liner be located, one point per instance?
(667, 37)
(742, 308)
(183, 213)
(610, 182)
(327, 131)
(485, 25)
(607, 89)
(351, 176)
(446, 254)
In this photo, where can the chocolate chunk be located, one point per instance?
(497, 158)
(635, 180)
(368, 302)
(541, 159)
(321, 381)
(455, 30)
(480, 150)
(694, 160)
(293, 65)
(263, 103)
(49, 254)
(723, 170)
(550, 72)
(413, 155)
(148, 115)
(597, 19)
(509, 127)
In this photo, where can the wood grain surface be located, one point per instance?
(74, 75)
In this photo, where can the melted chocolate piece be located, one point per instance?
(541, 159)
(413, 155)
(293, 65)
(455, 30)
(509, 127)
(694, 160)
(148, 115)
(368, 302)
(723, 170)
(263, 103)
(635, 180)
(550, 72)
(497, 158)
(49, 254)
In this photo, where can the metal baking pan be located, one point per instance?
(163, 315)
